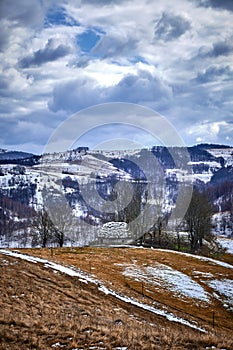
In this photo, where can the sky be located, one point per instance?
(60, 57)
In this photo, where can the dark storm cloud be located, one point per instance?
(48, 54)
(225, 4)
(218, 49)
(213, 73)
(7, 125)
(4, 36)
(36, 127)
(220, 4)
(171, 27)
(4, 86)
(15, 14)
(221, 49)
(23, 12)
(82, 62)
(75, 94)
(142, 87)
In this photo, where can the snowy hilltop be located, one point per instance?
(85, 181)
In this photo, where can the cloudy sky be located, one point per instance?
(59, 57)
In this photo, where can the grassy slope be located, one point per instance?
(41, 308)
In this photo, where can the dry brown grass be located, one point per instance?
(107, 264)
(40, 308)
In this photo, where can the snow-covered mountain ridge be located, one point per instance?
(207, 163)
(27, 178)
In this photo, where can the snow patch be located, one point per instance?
(225, 288)
(226, 243)
(164, 276)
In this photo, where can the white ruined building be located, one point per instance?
(113, 233)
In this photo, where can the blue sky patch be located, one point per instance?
(58, 16)
(88, 40)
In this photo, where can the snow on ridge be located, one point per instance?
(58, 267)
(184, 176)
(85, 165)
(225, 153)
(168, 315)
(211, 163)
(117, 153)
(85, 278)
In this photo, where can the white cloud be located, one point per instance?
(207, 129)
(173, 56)
(141, 87)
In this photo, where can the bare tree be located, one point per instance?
(64, 222)
(43, 228)
(198, 220)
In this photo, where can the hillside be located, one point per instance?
(18, 157)
(116, 298)
(87, 181)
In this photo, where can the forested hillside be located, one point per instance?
(83, 182)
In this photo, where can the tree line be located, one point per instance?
(55, 223)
